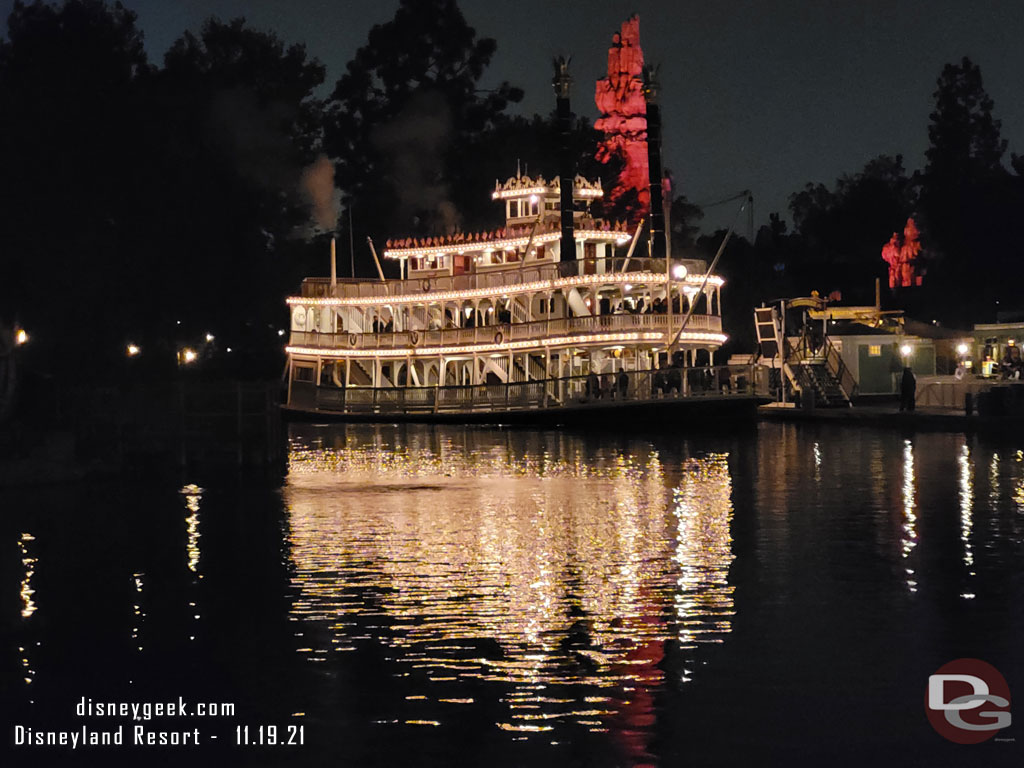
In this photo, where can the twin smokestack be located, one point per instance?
(563, 118)
(562, 83)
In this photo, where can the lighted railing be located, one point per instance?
(512, 275)
(597, 391)
(490, 334)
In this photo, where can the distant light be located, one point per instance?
(132, 350)
(629, 287)
(209, 337)
(534, 199)
(229, 349)
(678, 272)
(187, 356)
(1010, 342)
(21, 336)
(961, 349)
(177, 322)
(280, 332)
(906, 349)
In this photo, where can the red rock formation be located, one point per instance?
(903, 256)
(620, 99)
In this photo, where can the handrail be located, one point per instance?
(722, 381)
(509, 276)
(536, 329)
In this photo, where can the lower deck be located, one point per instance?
(712, 393)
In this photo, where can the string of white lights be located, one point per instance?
(429, 297)
(508, 346)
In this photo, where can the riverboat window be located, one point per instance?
(513, 209)
(303, 373)
(874, 350)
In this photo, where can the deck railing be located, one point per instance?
(724, 381)
(498, 333)
(315, 287)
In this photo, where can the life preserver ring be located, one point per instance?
(352, 340)
(499, 337)
(414, 338)
(425, 284)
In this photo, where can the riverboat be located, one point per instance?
(552, 317)
(506, 326)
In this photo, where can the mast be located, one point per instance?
(563, 115)
(658, 245)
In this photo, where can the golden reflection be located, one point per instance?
(993, 479)
(28, 605)
(703, 508)
(909, 538)
(137, 612)
(1018, 491)
(193, 495)
(557, 575)
(966, 511)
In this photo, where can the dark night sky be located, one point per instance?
(757, 94)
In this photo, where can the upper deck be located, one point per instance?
(519, 279)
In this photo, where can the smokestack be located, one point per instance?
(334, 264)
(658, 245)
(566, 173)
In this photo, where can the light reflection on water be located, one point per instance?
(507, 598)
(555, 579)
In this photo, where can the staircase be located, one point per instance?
(820, 371)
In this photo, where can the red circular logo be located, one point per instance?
(967, 701)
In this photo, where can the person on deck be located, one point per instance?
(908, 390)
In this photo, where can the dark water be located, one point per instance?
(480, 597)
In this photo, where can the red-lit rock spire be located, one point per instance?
(903, 254)
(620, 99)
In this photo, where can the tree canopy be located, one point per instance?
(403, 113)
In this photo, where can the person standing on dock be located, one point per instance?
(908, 390)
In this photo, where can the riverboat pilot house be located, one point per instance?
(503, 320)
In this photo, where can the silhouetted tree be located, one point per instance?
(971, 202)
(843, 230)
(237, 122)
(71, 154)
(966, 144)
(406, 109)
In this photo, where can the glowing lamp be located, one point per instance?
(209, 337)
(21, 336)
(187, 356)
(1009, 342)
(629, 287)
(678, 272)
(905, 350)
(280, 332)
(132, 350)
(961, 349)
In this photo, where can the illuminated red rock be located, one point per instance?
(903, 255)
(620, 99)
